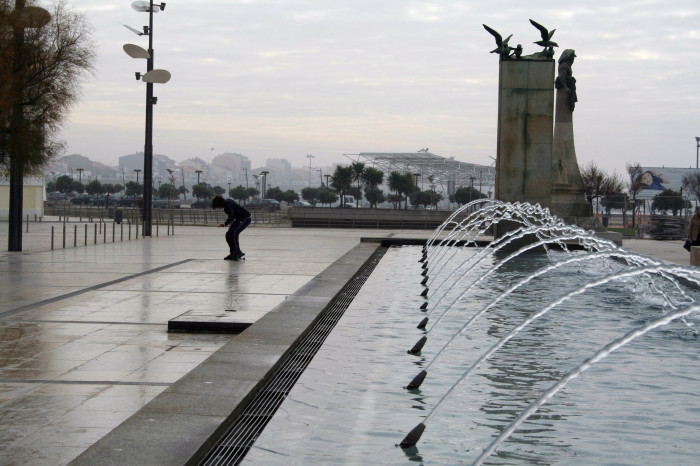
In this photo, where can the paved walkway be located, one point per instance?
(84, 342)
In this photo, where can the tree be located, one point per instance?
(464, 195)
(326, 196)
(166, 191)
(290, 196)
(614, 201)
(239, 193)
(65, 184)
(374, 195)
(94, 187)
(275, 193)
(41, 67)
(217, 190)
(434, 197)
(395, 199)
(310, 195)
(598, 184)
(183, 190)
(402, 184)
(202, 191)
(252, 192)
(110, 188)
(691, 183)
(341, 181)
(669, 199)
(373, 176)
(358, 169)
(133, 188)
(635, 186)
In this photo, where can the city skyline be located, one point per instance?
(283, 80)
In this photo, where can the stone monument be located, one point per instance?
(536, 159)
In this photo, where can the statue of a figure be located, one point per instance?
(565, 80)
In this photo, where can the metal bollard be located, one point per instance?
(95, 239)
(52, 237)
(64, 236)
(75, 236)
(86, 227)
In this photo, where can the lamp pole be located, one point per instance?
(309, 156)
(138, 170)
(148, 146)
(151, 76)
(264, 174)
(697, 150)
(80, 175)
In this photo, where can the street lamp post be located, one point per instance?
(150, 77)
(697, 151)
(264, 174)
(80, 177)
(309, 156)
(246, 177)
(138, 170)
(198, 172)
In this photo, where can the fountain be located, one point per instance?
(550, 344)
(568, 347)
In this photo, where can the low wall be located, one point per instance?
(328, 217)
(32, 201)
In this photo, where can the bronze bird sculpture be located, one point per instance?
(502, 47)
(546, 36)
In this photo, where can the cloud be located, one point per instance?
(396, 73)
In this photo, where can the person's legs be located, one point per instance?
(232, 238)
(239, 227)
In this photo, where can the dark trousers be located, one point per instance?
(234, 231)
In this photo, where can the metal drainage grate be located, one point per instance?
(234, 443)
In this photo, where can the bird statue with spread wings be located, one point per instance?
(502, 47)
(546, 41)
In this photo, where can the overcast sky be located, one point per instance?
(287, 78)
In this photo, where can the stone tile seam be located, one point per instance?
(28, 307)
(86, 382)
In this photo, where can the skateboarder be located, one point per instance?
(238, 219)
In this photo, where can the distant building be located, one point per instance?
(131, 162)
(232, 167)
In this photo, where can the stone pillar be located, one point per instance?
(525, 121)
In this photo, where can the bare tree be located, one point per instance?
(42, 59)
(635, 185)
(691, 183)
(599, 184)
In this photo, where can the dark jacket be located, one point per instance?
(234, 211)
